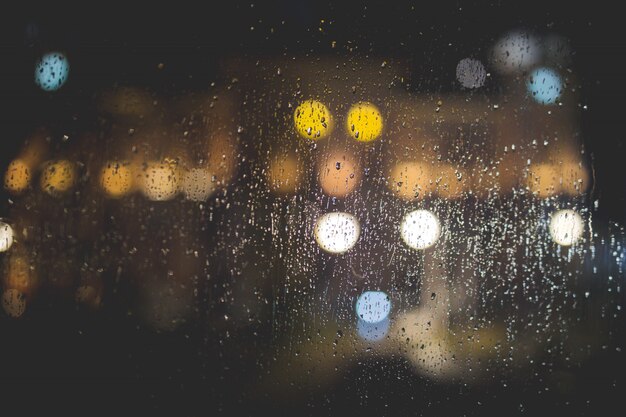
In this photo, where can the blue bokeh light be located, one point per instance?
(51, 71)
(372, 332)
(373, 306)
(544, 85)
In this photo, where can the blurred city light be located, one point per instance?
(337, 232)
(544, 85)
(566, 227)
(58, 177)
(373, 332)
(198, 184)
(339, 173)
(364, 122)
(373, 306)
(312, 120)
(420, 229)
(17, 177)
(116, 179)
(51, 71)
(471, 73)
(516, 51)
(6, 236)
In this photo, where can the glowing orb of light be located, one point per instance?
(339, 174)
(420, 229)
(566, 227)
(410, 180)
(58, 177)
(543, 180)
(160, 181)
(17, 177)
(516, 51)
(471, 73)
(198, 184)
(544, 85)
(6, 236)
(51, 71)
(284, 175)
(13, 303)
(312, 120)
(337, 232)
(372, 332)
(364, 122)
(373, 306)
(116, 179)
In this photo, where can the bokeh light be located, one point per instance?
(58, 177)
(6, 236)
(116, 179)
(13, 303)
(312, 120)
(410, 180)
(543, 180)
(373, 306)
(160, 181)
(420, 229)
(471, 73)
(516, 51)
(544, 85)
(566, 227)
(372, 332)
(198, 184)
(339, 174)
(51, 71)
(284, 174)
(337, 232)
(17, 176)
(364, 122)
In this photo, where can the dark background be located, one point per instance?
(102, 361)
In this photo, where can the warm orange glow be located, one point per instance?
(116, 179)
(450, 181)
(574, 178)
(543, 180)
(410, 180)
(284, 175)
(17, 176)
(339, 174)
(13, 303)
(58, 177)
(19, 275)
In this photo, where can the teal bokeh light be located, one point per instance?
(51, 71)
(544, 85)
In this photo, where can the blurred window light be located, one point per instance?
(337, 232)
(566, 227)
(364, 122)
(312, 120)
(420, 229)
(373, 306)
(6, 236)
(544, 85)
(52, 71)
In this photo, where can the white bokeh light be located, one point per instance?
(420, 229)
(373, 306)
(337, 232)
(373, 332)
(566, 227)
(471, 73)
(6, 236)
(516, 51)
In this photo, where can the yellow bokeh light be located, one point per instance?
(198, 184)
(17, 177)
(339, 174)
(410, 180)
(450, 181)
(364, 122)
(116, 179)
(312, 120)
(160, 181)
(58, 177)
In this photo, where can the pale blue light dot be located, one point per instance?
(372, 332)
(51, 71)
(544, 85)
(373, 306)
